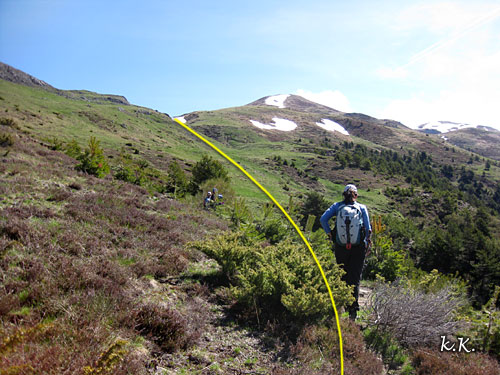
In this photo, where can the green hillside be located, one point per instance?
(109, 264)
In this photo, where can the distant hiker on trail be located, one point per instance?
(351, 237)
(212, 200)
(208, 200)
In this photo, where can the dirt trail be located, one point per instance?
(364, 296)
(225, 347)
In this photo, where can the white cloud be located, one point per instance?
(333, 99)
(441, 17)
(391, 73)
(455, 78)
(462, 106)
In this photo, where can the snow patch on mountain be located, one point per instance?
(278, 124)
(443, 126)
(277, 100)
(181, 119)
(332, 126)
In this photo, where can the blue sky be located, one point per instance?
(412, 61)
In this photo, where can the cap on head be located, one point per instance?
(350, 187)
(209, 193)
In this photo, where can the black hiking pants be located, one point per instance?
(351, 261)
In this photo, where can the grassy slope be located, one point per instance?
(98, 278)
(159, 140)
(233, 129)
(82, 257)
(47, 116)
(79, 259)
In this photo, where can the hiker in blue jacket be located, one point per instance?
(208, 200)
(351, 238)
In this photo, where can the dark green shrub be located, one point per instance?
(485, 326)
(92, 160)
(314, 204)
(271, 279)
(393, 354)
(177, 183)
(73, 149)
(6, 140)
(9, 122)
(384, 261)
(124, 173)
(55, 144)
(274, 229)
(207, 168)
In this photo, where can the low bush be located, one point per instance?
(6, 139)
(273, 279)
(484, 326)
(163, 325)
(73, 149)
(6, 121)
(413, 316)
(318, 352)
(393, 354)
(177, 182)
(92, 160)
(431, 361)
(206, 169)
(384, 260)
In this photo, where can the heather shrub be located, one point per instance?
(163, 325)
(272, 279)
(431, 361)
(318, 352)
(58, 195)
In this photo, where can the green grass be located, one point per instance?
(149, 135)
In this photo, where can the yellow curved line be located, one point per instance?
(290, 220)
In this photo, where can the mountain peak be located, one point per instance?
(294, 102)
(440, 127)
